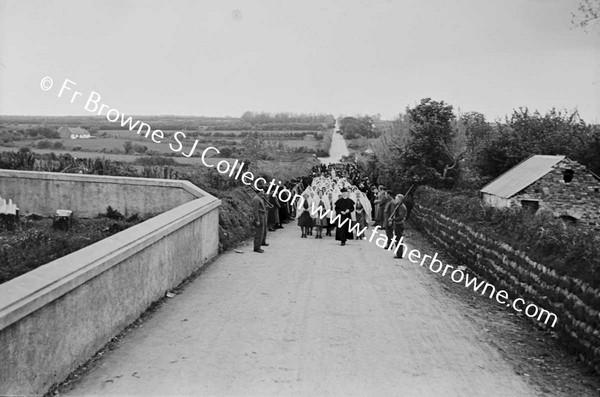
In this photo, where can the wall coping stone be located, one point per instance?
(105, 179)
(27, 293)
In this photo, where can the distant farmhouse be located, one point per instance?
(73, 133)
(556, 183)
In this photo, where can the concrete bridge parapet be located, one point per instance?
(57, 316)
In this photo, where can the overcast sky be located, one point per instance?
(222, 57)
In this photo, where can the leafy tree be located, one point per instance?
(589, 154)
(140, 148)
(526, 133)
(45, 144)
(128, 146)
(286, 121)
(353, 127)
(386, 167)
(254, 147)
(473, 134)
(226, 152)
(478, 132)
(428, 154)
(588, 12)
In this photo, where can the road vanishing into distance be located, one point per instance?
(338, 147)
(307, 318)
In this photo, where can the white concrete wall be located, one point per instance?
(57, 316)
(89, 195)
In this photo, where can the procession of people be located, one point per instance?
(334, 197)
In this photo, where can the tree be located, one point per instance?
(478, 132)
(355, 127)
(254, 147)
(428, 155)
(526, 133)
(44, 144)
(140, 148)
(386, 165)
(128, 146)
(588, 12)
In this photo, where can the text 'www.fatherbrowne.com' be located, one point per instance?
(457, 275)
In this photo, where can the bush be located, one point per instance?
(140, 148)
(128, 146)
(225, 152)
(57, 145)
(45, 144)
(111, 213)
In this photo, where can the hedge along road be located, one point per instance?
(309, 318)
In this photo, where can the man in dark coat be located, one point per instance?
(387, 222)
(344, 208)
(398, 217)
(259, 221)
(273, 213)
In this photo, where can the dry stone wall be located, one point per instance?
(575, 303)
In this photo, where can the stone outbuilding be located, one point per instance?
(554, 183)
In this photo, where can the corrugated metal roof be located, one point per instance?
(521, 175)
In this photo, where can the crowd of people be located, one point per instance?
(334, 197)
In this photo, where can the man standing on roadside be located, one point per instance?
(398, 216)
(386, 222)
(259, 212)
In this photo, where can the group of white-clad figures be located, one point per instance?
(331, 202)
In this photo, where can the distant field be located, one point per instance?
(97, 144)
(280, 169)
(115, 140)
(112, 145)
(120, 157)
(296, 143)
(208, 133)
(274, 132)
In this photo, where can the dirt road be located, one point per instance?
(307, 318)
(337, 150)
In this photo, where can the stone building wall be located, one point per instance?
(579, 198)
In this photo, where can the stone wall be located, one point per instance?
(579, 198)
(575, 303)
